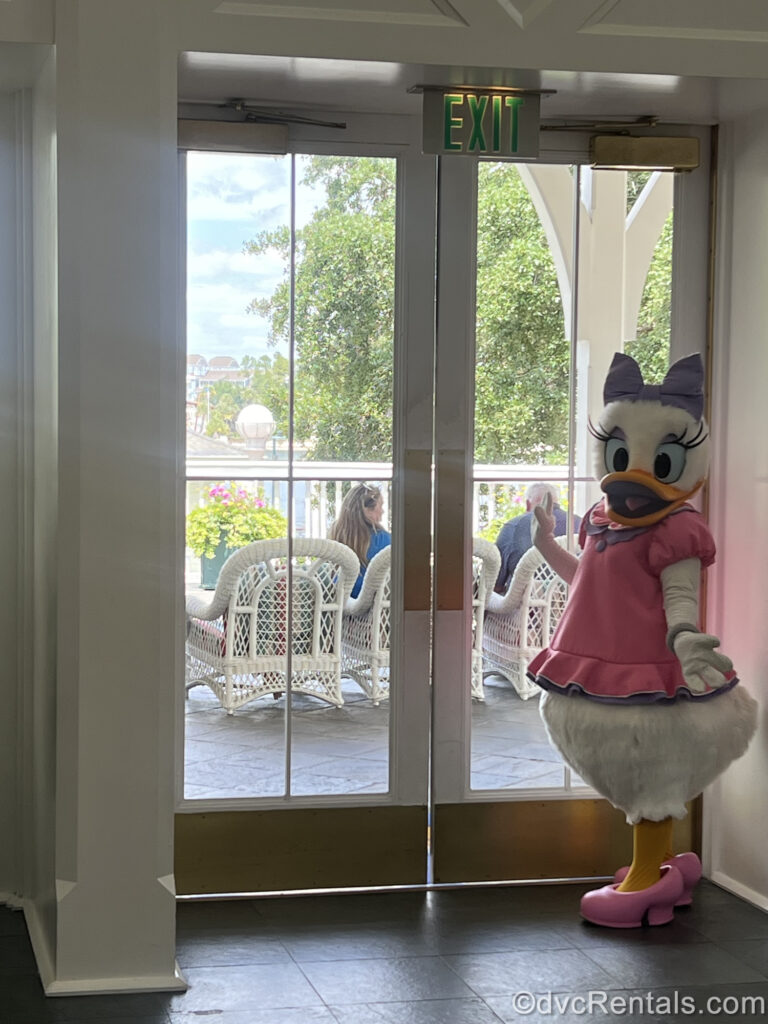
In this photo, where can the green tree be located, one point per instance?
(650, 348)
(266, 384)
(636, 182)
(344, 316)
(522, 360)
(344, 309)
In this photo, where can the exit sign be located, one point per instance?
(480, 122)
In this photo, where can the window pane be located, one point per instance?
(521, 438)
(624, 258)
(522, 361)
(650, 340)
(344, 331)
(239, 373)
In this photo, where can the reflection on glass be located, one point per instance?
(240, 426)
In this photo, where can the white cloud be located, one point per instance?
(218, 262)
(243, 321)
(254, 189)
(231, 187)
(231, 197)
(218, 296)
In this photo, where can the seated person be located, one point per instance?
(358, 526)
(515, 536)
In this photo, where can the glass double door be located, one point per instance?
(437, 332)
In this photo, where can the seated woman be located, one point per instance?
(357, 526)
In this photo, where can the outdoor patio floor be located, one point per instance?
(345, 750)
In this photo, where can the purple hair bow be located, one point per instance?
(682, 387)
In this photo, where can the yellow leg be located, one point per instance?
(652, 843)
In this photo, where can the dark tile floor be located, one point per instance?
(457, 956)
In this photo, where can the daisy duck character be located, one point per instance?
(636, 698)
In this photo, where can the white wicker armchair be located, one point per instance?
(521, 622)
(366, 623)
(486, 562)
(365, 630)
(237, 640)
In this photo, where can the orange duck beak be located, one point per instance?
(636, 498)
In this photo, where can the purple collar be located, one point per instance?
(607, 537)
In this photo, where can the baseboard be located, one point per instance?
(40, 946)
(52, 986)
(739, 889)
(116, 986)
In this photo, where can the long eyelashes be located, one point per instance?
(698, 438)
(597, 431)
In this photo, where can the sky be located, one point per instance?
(230, 199)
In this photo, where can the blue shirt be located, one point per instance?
(515, 538)
(380, 539)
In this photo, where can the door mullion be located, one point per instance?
(412, 489)
(454, 407)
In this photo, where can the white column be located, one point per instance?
(644, 225)
(735, 822)
(551, 190)
(601, 276)
(121, 378)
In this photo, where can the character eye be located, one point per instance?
(616, 455)
(669, 463)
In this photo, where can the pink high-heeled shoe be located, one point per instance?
(689, 866)
(614, 909)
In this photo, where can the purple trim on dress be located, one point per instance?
(683, 386)
(609, 536)
(577, 690)
(620, 534)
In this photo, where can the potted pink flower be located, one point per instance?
(230, 519)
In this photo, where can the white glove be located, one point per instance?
(702, 666)
(543, 537)
(543, 524)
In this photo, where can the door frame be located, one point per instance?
(526, 835)
(384, 837)
(294, 843)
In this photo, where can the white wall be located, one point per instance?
(9, 475)
(99, 716)
(736, 808)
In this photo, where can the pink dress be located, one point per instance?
(610, 645)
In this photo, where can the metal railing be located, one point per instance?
(318, 487)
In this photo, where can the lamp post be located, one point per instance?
(255, 424)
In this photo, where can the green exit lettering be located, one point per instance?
(471, 120)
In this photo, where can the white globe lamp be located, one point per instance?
(255, 424)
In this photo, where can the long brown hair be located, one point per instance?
(351, 527)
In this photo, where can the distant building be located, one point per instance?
(197, 367)
(201, 374)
